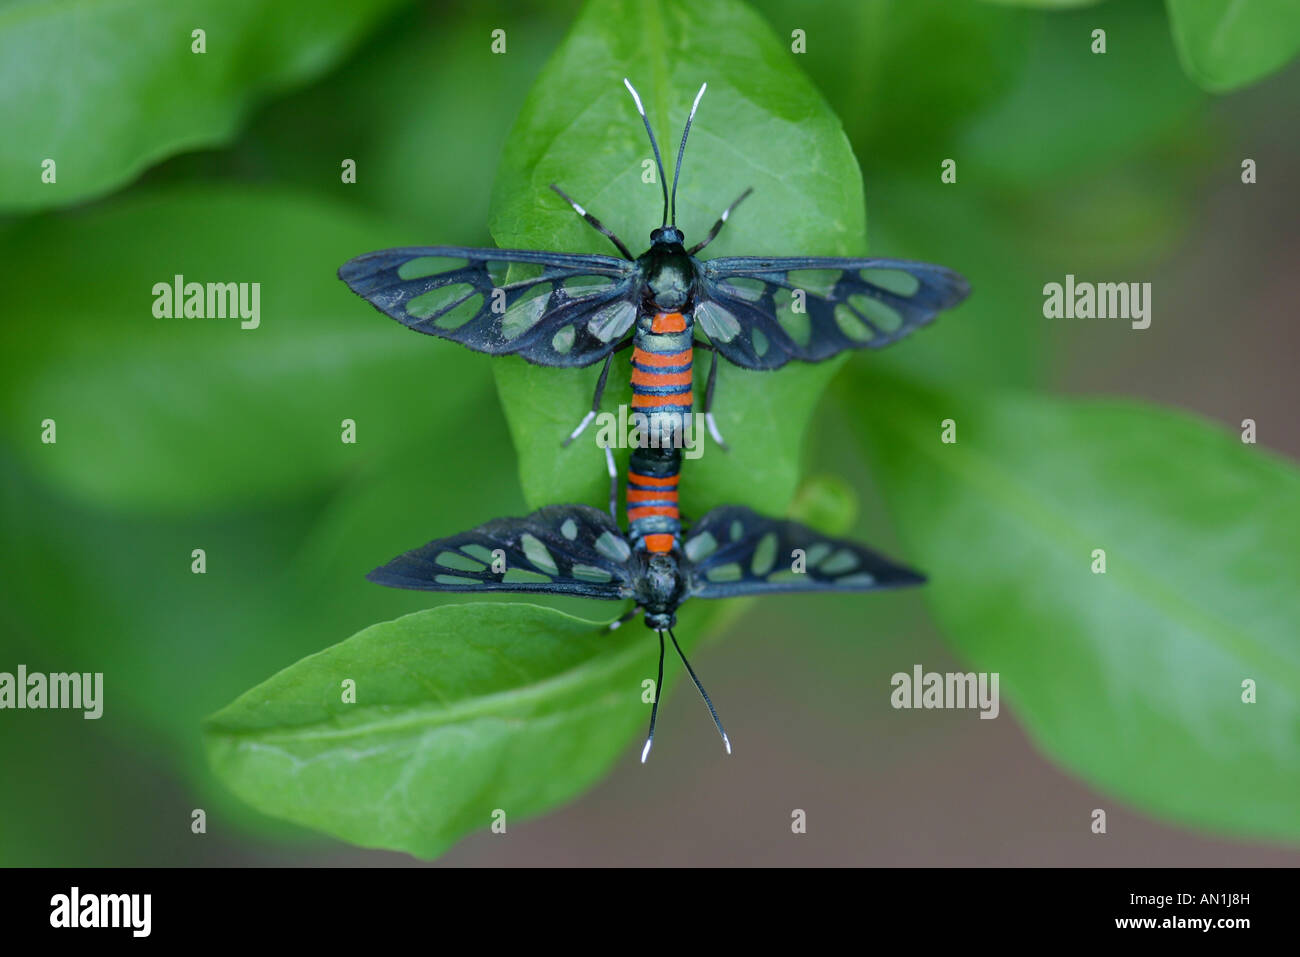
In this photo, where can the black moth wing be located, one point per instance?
(557, 550)
(749, 306)
(733, 550)
(571, 313)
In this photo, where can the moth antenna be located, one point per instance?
(726, 741)
(677, 173)
(663, 180)
(654, 707)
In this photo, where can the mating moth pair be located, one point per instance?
(567, 310)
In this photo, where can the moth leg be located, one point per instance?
(600, 392)
(595, 403)
(624, 619)
(596, 223)
(708, 402)
(613, 483)
(717, 227)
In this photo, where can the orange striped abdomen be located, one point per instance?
(661, 392)
(652, 509)
(661, 366)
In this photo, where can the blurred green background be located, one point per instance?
(175, 435)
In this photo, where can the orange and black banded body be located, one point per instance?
(661, 391)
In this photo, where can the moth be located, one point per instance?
(570, 310)
(579, 550)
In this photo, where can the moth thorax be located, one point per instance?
(671, 288)
(662, 587)
(669, 275)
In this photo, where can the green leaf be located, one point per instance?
(106, 89)
(1132, 678)
(760, 124)
(825, 502)
(461, 711)
(1045, 4)
(985, 341)
(114, 591)
(398, 131)
(876, 62)
(172, 413)
(1074, 113)
(1227, 44)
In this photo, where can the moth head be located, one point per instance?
(660, 621)
(667, 235)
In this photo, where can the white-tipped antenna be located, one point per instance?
(635, 96)
(663, 180)
(717, 722)
(677, 172)
(654, 708)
